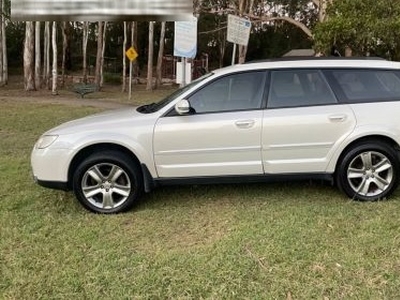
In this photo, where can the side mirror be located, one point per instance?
(182, 107)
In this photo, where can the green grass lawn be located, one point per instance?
(301, 240)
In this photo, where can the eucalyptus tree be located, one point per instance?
(97, 78)
(303, 14)
(4, 16)
(160, 55)
(366, 27)
(1, 44)
(29, 58)
(54, 71)
(150, 57)
(37, 56)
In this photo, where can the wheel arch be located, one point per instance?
(87, 151)
(370, 138)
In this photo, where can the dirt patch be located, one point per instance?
(109, 97)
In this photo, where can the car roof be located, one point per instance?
(315, 62)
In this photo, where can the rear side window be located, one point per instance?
(367, 85)
(293, 88)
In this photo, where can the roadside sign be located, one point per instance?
(185, 38)
(131, 54)
(238, 30)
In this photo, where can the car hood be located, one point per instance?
(104, 121)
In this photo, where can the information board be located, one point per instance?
(185, 39)
(238, 30)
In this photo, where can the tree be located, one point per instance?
(4, 16)
(46, 55)
(364, 26)
(97, 78)
(37, 55)
(54, 71)
(29, 51)
(1, 44)
(64, 50)
(103, 47)
(160, 56)
(85, 36)
(303, 14)
(150, 57)
(124, 57)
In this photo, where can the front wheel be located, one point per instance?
(108, 182)
(368, 171)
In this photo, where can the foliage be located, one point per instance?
(247, 241)
(366, 26)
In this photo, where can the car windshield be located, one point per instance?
(153, 107)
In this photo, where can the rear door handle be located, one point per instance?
(245, 123)
(337, 118)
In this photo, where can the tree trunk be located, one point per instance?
(4, 42)
(85, 37)
(64, 51)
(29, 51)
(1, 44)
(160, 56)
(150, 57)
(103, 48)
(46, 55)
(54, 70)
(97, 75)
(244, 9)
(5, 58)
(124, 58)
(37, 56)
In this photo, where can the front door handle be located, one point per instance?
(245, 123)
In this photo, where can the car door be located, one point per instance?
(222, 135)
(303, 123)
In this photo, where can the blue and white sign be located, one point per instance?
(238, 30)
(185, 40)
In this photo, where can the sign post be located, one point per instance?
(185, 46)
(238, 32)
(132, 55)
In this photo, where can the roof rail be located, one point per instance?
(296, 58)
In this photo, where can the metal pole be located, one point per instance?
(233, 54)
(183, 83)
(130, 79)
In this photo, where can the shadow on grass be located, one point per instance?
(241, 194)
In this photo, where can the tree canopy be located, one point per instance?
(368, 27)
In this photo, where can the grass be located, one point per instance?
(302, 240)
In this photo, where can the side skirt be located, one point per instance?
(151, 183)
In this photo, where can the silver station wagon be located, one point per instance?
(335, 119)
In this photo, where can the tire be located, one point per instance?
(108, 182)
(368, 171)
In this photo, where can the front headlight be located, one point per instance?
(45, 141)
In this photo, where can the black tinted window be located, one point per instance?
(299, 88)
(241, 91)
(368, 85)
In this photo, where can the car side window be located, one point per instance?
(242, 91)
(367, 85)
(293, 88)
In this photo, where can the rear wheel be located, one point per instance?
(108, 182)
(368, 171)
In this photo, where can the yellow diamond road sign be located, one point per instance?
(131, 54)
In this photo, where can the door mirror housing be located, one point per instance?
(182, 107)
